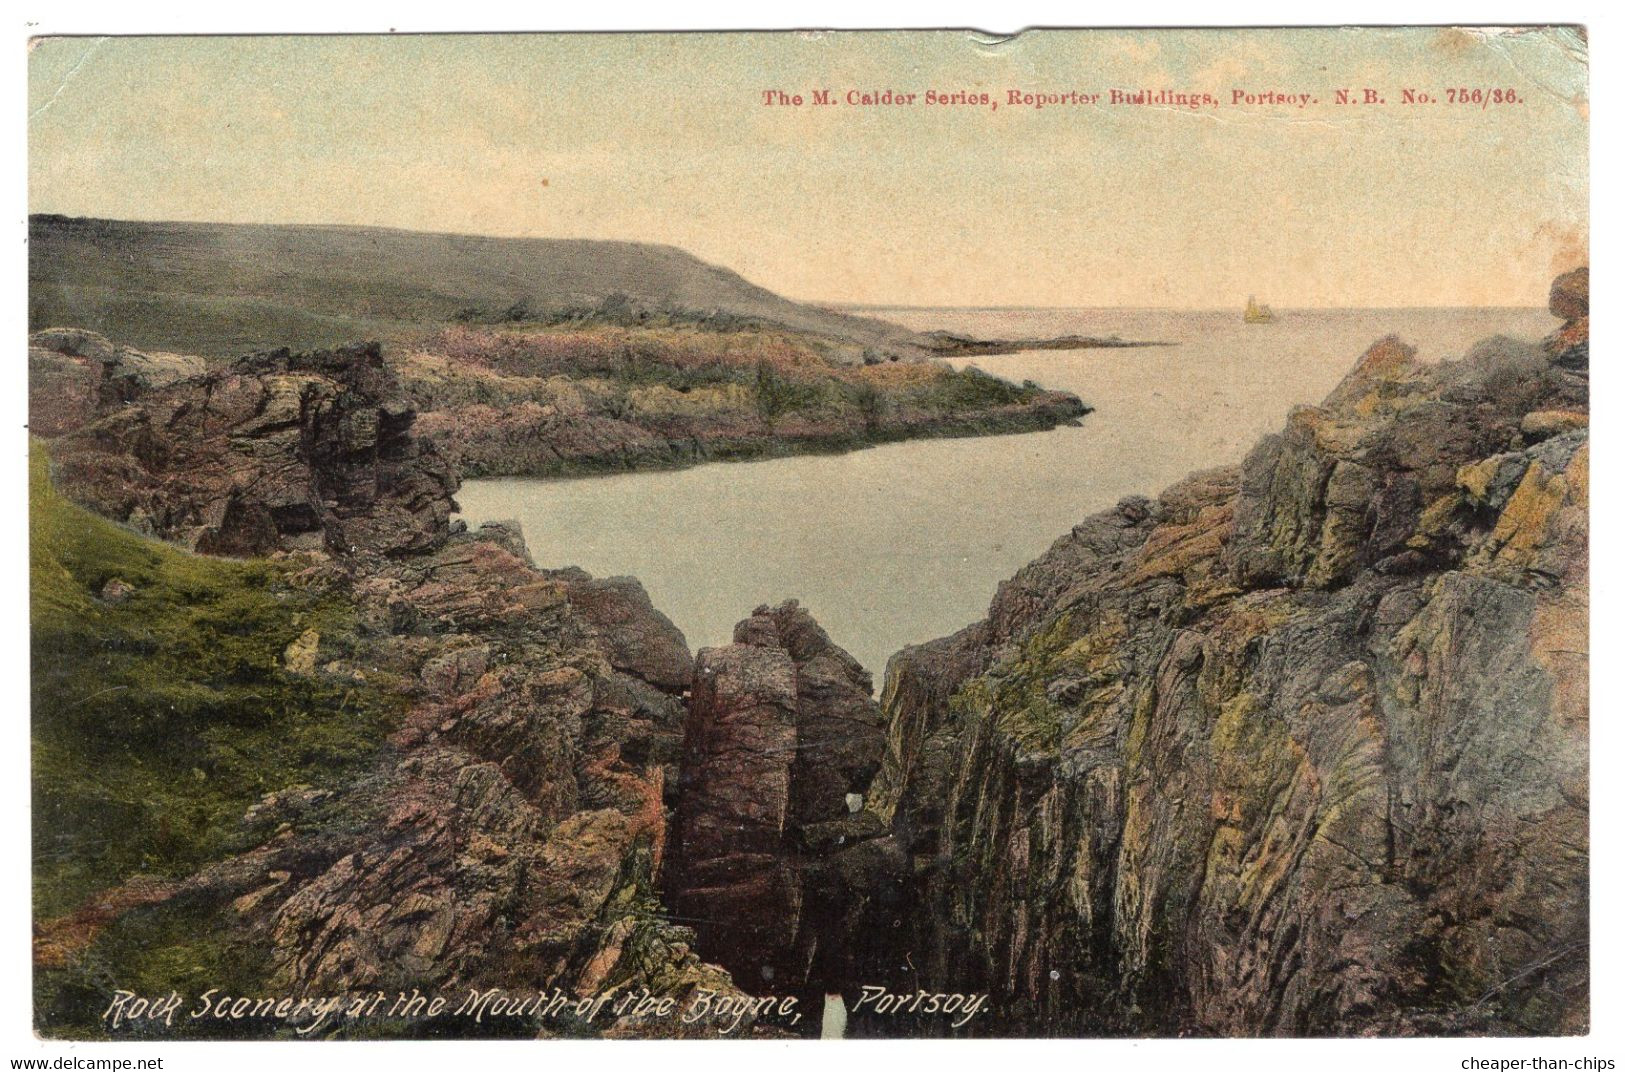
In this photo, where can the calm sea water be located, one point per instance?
(906, 542)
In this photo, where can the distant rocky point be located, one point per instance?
(951, 344)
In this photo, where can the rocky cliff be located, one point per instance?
(1296, 748)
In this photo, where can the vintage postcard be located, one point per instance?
(797, 535)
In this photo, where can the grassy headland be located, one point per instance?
(588, 396)
(222, 290)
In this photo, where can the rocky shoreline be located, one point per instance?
(498, 416)
(509, 829)
(1296, 748)
(575, 400)
(493, 443)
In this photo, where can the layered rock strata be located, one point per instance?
(1296, 748)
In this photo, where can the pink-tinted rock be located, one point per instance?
(280, 451)
(782, 732)
(73, 374)
(1302, 753)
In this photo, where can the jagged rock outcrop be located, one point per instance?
(1571, 300)
(782, 739)
(641, 640)
(73, 374)
(1297, 748)
(510, 822)
(509, 832)
(512, 833)
(279, 451)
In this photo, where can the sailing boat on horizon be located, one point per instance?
(1256, 313)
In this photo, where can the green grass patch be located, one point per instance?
(157, 719)
(186, 945)
(972, 389)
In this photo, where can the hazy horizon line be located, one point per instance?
(909, 307)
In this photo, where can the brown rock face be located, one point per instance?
(1294, 749)
(1571, 294)
(641, 640)
(279, 451)
(837, 745)
(781, 729)
(510, 832)
(729, 874)
(73, 374)
(1571, 300)
(519, 830)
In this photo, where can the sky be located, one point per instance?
(665, 138)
